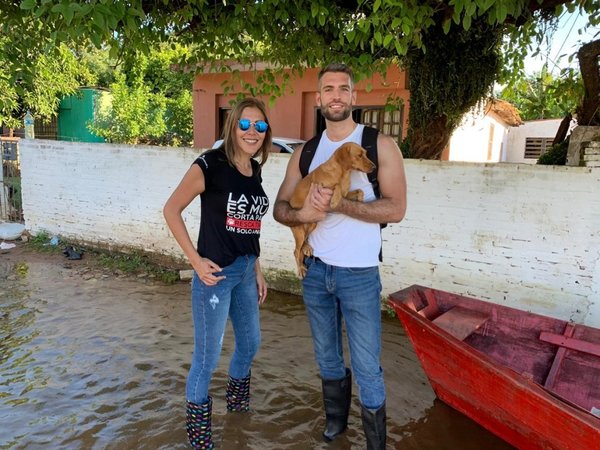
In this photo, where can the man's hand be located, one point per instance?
(315, 205)
(320, 197)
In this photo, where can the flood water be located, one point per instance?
(95, 361)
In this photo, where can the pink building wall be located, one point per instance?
(292, 115)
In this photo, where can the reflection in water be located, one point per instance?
(101, 364)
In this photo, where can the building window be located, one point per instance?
(537, 146)
(388, 122)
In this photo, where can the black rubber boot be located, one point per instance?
(198, 425)
(374, 425)
(336, 401)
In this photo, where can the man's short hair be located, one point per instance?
(337, 67)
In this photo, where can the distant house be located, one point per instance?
(483, 135)
(296, 115)
(528, 142)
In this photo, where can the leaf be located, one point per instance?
(314, 9)
(446, 26)
(68, 14)
(501, 12)
(467, 23)
(378, 37)
(387, 39)
(27, 4)
(350, 35)
(98, 20)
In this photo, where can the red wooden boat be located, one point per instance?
(530, 379)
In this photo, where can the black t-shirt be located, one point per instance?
(232, 207)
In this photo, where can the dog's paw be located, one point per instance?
(302, 271)
(357, 195)
(307, 249)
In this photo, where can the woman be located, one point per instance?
(227, 278)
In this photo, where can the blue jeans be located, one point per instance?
(331, 293)
(235, 297)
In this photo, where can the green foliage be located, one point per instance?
(131, 114)
(179, 120)
(98, 64)
(456, 71)
(41, 243)
(14, 186)
(52, 77)
(390, 311)
(291, 34)
(295, 35)
(405, 148)
(541, 96)
(40, 239)
(150, 102)
(134, 263)
(556, 156)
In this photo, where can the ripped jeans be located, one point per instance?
(235, 297)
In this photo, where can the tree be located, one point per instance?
(541, 96)
(150, 102)
(589, 110)
(367, 35)
(51, 77)
(131, 114)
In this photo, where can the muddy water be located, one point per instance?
(90, 361)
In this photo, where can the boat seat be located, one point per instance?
(461, 322)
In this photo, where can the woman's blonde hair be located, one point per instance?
(231, 125)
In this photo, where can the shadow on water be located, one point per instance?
(100, 363)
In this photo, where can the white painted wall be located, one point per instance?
(521, 235)
(469, 142)
(534, 129)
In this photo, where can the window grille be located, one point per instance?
(388, 122)
(537, 146)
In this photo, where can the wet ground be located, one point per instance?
(91, 360)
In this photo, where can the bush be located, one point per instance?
(556, 156)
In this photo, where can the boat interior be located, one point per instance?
(561, 356)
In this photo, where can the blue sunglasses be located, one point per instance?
(260, 125)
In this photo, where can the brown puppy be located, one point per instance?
(334, 174)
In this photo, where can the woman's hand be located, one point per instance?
(206, 270)
(261, 284)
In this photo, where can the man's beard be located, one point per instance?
(336, 115)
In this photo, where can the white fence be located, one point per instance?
(521, 235)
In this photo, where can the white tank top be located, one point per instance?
(340, 240)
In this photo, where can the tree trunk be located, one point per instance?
(563, 129)
(456, 71)
(430, 141)
(588, 113)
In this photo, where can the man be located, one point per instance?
(342, 279)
